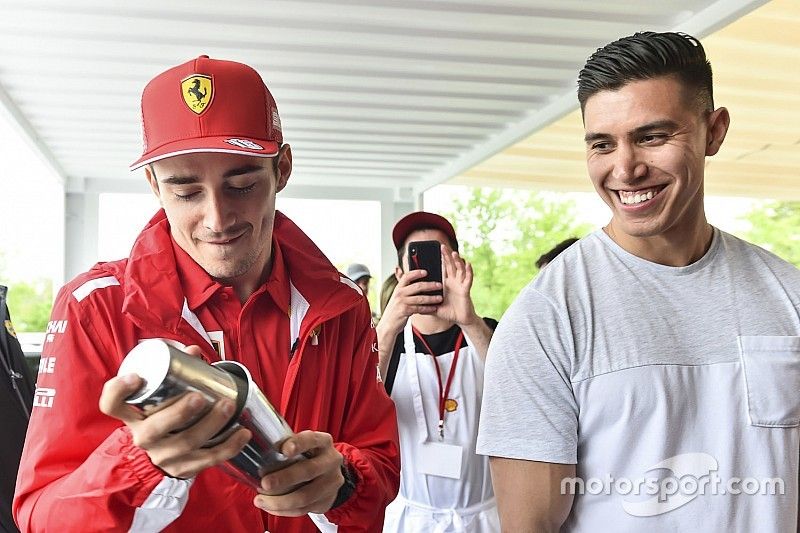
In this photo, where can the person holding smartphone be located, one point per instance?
(432, 348)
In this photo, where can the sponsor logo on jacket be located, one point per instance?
(43, 397)
(54, 327)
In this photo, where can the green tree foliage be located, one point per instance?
(30, 304)
(502, 233)
(776, 227)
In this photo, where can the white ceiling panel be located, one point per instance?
(378, 93)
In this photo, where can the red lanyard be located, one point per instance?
(442, 393)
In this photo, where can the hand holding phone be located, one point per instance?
(426, 255)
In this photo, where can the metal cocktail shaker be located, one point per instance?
(169, 373)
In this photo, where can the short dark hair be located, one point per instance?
(401, 250)
(647, 55)
(552, 254)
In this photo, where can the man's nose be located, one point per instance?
(628, 165)
(217, 215)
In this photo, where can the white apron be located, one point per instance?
(437, 503)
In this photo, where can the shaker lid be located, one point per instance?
(150, 360)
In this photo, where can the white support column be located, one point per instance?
(81, 211)
(392, 210)
(82, 219)
(59, 273)
(395, 204)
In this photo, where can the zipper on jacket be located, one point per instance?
(298, 346)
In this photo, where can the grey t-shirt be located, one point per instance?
(648, 376)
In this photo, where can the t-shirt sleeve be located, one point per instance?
(529, 409)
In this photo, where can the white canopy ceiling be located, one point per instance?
(372, 93)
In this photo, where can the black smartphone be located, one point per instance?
(426, 255)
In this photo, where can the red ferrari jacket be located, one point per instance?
(80, 470)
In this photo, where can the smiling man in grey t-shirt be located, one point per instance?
(648, 379)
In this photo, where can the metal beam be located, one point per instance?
(107, 185)
(516, 132)
(700, 24)
(26, 130)
(322, 192)
(717, 16)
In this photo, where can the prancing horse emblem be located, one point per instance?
(197, 91)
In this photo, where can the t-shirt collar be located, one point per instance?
(636, 261)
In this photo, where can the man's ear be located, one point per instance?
(150, 173)
(718, 123)
(398, 272)
(284, 167)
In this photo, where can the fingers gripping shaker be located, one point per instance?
(169, 373)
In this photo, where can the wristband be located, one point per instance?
(348, 487)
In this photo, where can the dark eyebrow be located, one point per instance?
(180, 180)
(187, 180)
(245, 169)
(589, 137)
(657, 125)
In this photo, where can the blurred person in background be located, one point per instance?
(387, 289)
(360, 274)
(16, 399)
(547, 257)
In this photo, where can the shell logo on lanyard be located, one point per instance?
(446, 404)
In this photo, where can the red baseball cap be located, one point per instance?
(208, 105)
(421, 220)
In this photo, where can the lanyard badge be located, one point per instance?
(445, 404)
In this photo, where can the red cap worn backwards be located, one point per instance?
(208, 105)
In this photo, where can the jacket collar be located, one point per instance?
(196, 285)
(155, 293)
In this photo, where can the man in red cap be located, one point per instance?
(219, 272)
(432, 352)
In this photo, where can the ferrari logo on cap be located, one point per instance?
(197, 91)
